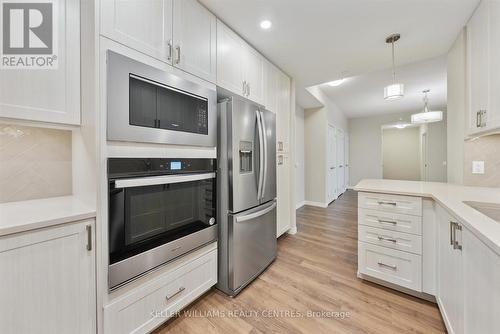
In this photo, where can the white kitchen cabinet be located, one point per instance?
(194, 39)
(283, 117)
(481, 286)
(229, 60)
(271, 86)
(145, 26)
(48, 95)
(253, 74)
(483, 69)
(284, 193)
(159, 298)
(48, 280)
(240, 68)
(449, 273)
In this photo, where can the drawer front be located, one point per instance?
(391, 203)
(153, 305)
(390, 221)
(393, 266)
(396, 240)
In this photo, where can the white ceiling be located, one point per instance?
(316, 40)
(363, 95)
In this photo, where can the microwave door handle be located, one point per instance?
(264, 135)
(257, 214)
(261, 155)
(159, 180)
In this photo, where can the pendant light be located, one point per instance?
(395, 90)
(427, 116)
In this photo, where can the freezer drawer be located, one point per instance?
(253, 245)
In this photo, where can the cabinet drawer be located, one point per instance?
(396, 240)
(391, 203)
(148, 307)
(393, 266)
(390, 221)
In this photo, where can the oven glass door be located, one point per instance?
(157, 214)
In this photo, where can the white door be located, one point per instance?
(449, 282)
(332, 164)
(283, 194)
(478, 64)
(48, 281)
(229, 60)
(340, 161)
(481, 286)
(48, 95)
(145, 26)
(194, 39)
(254, 73)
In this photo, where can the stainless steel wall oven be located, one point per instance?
(159, 209)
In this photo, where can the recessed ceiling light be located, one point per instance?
(266, 24)
(335, 83)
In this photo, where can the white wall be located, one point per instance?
(365, 148)
(401, 154)
(456, 110)
(299, 157)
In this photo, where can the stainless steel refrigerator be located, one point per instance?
(246, 192)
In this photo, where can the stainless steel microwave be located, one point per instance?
(149, 105)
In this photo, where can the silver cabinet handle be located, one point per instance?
(170, 50)
(88, 228)
(175, 293)
(392, 266)
(388, 221)
(244, 89)
(452, 225)
(478, 119)
(456, 245)
(178, 49)
(387, 203)
(387, 239)
(248, 89)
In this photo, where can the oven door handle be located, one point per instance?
(164, 179)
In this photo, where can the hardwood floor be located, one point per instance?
(315, 272)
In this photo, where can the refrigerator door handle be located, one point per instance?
(263, 192)
(256, 214)
(261, 155)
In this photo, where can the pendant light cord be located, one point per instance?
(393, 64)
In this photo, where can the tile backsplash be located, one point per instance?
(34, 163)
(485, 149)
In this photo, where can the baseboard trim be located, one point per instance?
(293, 230)
(299, 205)
(317, 204)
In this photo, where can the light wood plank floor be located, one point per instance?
(315, 271)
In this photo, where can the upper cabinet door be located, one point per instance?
(283, 111)
(478, 65)
(49, 94)
(145, 26)
(195, 33)
(229, 60)
(271, 89)
(254, 74)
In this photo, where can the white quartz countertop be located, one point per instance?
(23, 216)
(451, 197)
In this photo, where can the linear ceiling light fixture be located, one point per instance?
(395, 90)
(427, 116)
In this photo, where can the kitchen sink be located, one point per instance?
(491, 210)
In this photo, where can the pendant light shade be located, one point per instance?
(395, 90)
(426, 116)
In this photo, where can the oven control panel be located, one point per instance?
(127, 167)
